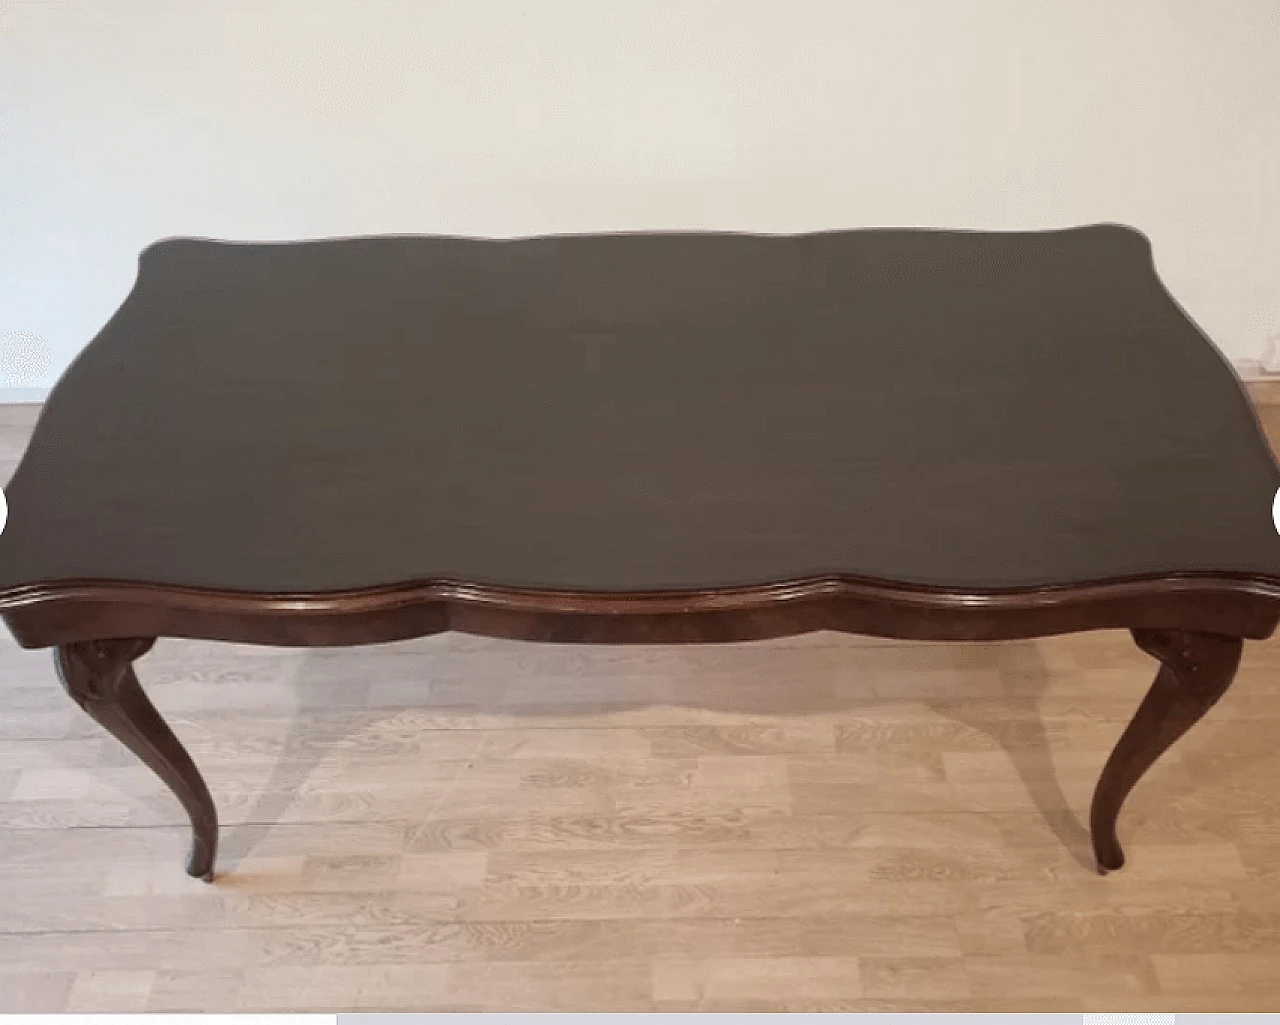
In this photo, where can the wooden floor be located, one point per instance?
(818, 823)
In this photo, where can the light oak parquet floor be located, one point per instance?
(815, 823)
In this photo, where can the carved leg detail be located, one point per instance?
(99, 677)
(1195, 671)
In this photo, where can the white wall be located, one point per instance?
(128, 121)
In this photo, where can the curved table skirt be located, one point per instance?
(42, 615)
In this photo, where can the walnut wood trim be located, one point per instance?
(41, 615)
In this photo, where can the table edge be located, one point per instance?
(61, 612)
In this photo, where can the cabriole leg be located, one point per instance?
(1195, 671)
(99, 676)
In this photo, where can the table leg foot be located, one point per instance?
(99, 677)
(1195, 671)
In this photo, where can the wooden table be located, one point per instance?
(648, 437)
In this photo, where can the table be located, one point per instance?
(649, 437)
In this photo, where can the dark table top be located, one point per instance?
(960, 409)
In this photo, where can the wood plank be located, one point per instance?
(819, 823)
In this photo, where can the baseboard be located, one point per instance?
(9, 396)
